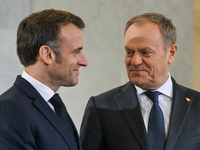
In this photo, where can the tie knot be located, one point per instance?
(56, 100)
(152, 95)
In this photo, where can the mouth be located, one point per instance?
(76, 71)
(137, 71)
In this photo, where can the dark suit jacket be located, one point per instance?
(113, 121)
(28, 123)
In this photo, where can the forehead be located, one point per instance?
(148, 31)
(71, 34)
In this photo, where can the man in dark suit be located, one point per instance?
(127, 117)
(32, 116)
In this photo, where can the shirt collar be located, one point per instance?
(42, 89)
(166, 88)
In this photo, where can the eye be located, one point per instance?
(76, 51)
(129, 53)
(147, 53)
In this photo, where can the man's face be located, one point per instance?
(65, 73)
(146, 59)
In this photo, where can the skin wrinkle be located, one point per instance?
(64, 73)
(146, 59)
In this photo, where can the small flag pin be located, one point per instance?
(187, 99)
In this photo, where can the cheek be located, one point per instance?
(159, 68)
(69, 61)
(154, 69)
(127, 61)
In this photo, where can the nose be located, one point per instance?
(136, 59)
(82, 60)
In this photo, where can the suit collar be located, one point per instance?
(41, 88)
(26, 87)
(180, 108)
(44, 108)
(166, 89)
(55, 121)
(127, 101)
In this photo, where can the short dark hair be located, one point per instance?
(168, 30)
(42, 28)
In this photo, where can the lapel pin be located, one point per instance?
(187, 99)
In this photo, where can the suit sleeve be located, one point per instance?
(16, 129)
(91, 133)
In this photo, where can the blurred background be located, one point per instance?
(103, 43)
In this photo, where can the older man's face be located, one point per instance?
(146, 59)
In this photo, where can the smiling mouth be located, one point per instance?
(76, 71)
(137, 71)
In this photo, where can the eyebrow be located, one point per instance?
(145, 48)
(126, 48)
(140, 49)
(80, 48)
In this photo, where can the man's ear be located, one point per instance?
(172, 52)
(46, 54)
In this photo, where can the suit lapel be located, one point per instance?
(43, 107)
(128, 103)
(76, 134)
(55, 121)
(180, 108)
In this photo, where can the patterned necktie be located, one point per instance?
(62, 113)
(156, 127)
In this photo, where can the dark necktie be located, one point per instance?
(62, 113)
(156, 127)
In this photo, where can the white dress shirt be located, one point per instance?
(165, 102)
(42, 89)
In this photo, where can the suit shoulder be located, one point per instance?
(111, 92)
(107, 99)
(13, 101)
(13, 94)
(189, 91)
(184, 88)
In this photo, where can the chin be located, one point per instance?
(74, 83)
(136, 80)
(71, 83)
